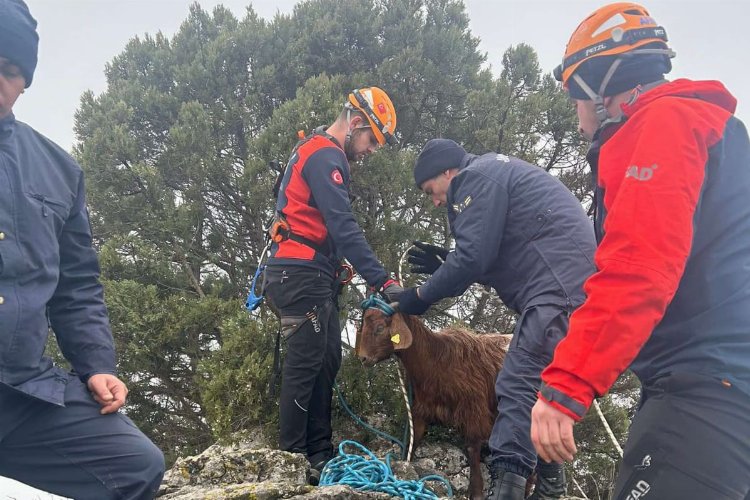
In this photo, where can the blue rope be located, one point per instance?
(370, 474)
(367, 426)
(373, 302)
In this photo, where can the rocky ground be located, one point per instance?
(251, 469)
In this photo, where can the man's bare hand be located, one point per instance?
(552, 433)
(109, 391)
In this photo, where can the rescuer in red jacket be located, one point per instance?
(671, 296)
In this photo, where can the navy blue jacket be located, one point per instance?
(48, 269)
(517, 229)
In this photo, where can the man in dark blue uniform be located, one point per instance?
(519, 230)
(59, 431)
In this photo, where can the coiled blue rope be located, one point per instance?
(368, 473)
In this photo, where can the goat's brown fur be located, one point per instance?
(452, 373)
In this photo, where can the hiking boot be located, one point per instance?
(316, 469)
(317, 462)
(506, 485)
(550, 482)
(313, 477)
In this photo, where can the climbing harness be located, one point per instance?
(289, 325)
(278, 229)
(368, 473)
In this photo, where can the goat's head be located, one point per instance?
(380, 336)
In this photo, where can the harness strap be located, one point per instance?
(280, 226)
(288, 326)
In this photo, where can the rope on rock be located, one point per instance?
(368, 473)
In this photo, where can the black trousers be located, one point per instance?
(690, 440)
(312, 357)
(75, 451)
(538, 331)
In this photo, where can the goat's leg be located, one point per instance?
(476, 484)
(419, 429)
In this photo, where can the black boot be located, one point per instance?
(550, 482)
(317, 462)
(506, 485)
(313, 477)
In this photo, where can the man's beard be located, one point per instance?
(349, 146)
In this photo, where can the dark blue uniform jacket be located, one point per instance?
(48, 269)
(517, 229)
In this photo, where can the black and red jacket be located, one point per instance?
(672, 287)
(314, 200)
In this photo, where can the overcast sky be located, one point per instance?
(78, 37)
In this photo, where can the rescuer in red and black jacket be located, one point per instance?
(671, 295)
(314, 230)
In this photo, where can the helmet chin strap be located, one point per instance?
(602, 115)
(348, 139)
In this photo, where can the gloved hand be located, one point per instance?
(391, 289)
(426, 258)
(410, 303)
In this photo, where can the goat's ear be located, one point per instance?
(400, 333)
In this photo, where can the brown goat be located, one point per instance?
(452, 374)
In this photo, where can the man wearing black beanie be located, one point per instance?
(59, 431)
(18, 37)
(519, 230)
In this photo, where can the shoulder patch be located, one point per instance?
(503, 158)
(460, 207)
(336, 177)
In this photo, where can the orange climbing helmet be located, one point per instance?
(375, 104)
(618, 29)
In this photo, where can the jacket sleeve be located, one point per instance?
(326, 174)
(480, 208)
(652, 179)
(76, 311)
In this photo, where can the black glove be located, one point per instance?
(410, 303)
(425, 258)
(391, 289)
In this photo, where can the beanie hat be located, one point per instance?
(18, 37)
(634, 70)
(437, 156)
